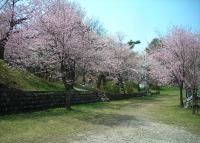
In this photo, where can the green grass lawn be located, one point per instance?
(55, 125)
(165, 108)
(26, 81)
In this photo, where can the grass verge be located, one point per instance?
(23, 80)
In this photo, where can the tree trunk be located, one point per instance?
(104, 81)
(68, 77)
(121, 83)
(101, 80)
(181, 94)
(84, 79)
(186, 92)
(69, 74)
(2, 48)
(68, 102)
(1, 53)
(194, 104)
(124, 89)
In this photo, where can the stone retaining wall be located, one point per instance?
(15, 101)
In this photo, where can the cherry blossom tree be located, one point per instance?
(120, 61)
(192, 77)
(13, 15)
(169, 63)
(126, 66)
(57, 42)
(61, 31)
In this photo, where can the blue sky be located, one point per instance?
(144, 19)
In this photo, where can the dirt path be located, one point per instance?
(137, 131)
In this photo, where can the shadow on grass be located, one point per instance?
(96, 118)
(110, 119)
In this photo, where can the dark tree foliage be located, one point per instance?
(154, 44)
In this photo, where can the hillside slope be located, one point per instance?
(23, 80)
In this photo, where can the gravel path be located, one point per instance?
(137, 131)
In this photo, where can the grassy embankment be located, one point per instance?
(23, 80)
